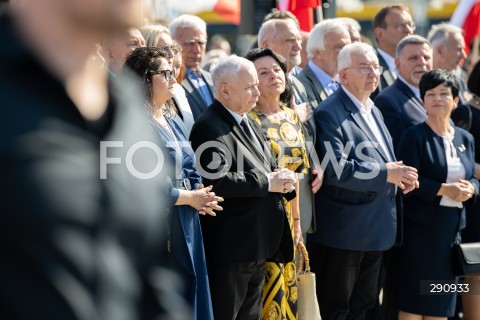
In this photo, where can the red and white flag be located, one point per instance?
(467, 16)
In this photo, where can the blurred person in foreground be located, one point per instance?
(82, 233)
(359, 204)
(434, 213)
(117, 47)
(151, 66)
(253, 226)
(159, 36)
(283, 129)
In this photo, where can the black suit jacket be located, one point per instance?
(195, 100)
(423, 149)
(386, 78)
(253, 224)
(400, 108)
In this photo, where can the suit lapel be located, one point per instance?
(190, 90)
(460, 148)
(360, 121)
(316, 83)
(386, 74)
(409, 93)
(250, 146)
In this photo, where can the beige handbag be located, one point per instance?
(307, 296)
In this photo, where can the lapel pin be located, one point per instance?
(461, 148)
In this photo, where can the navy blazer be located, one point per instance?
(253, 224)
(400, 108)
(195, 100)
(356, 207)
(423, 149)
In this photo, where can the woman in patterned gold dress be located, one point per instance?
(283, 130)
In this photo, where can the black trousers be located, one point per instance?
(236, 290)
(346, 281)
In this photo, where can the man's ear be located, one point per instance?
(397, 63)
(264, 43)
(224, 90)
(378, 33)
(342, 74)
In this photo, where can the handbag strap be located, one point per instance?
(457, 237)
(303, 260)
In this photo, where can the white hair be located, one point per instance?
(227, 69)
(187, 21)
(345, 55)
(316, 41)
(439, 33)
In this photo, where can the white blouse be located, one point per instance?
(456, 170)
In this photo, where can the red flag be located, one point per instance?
(467, 16)
(302, 9)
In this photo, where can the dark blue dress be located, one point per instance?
(186, 241)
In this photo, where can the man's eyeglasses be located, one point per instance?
(167, 74)
(367, 70)
(169, 50)
(401, 26)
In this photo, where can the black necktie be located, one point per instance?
(245, 128)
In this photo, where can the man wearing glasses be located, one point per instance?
(191, 34)
(357, 212)
(391, 24)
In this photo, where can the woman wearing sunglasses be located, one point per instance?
(150, 64)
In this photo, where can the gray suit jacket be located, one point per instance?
(315, 91)
(195, 100)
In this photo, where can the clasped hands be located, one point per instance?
(205, 201)
(282, 180)
(404, 177)
(459, 191)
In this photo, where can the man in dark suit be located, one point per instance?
(253, 225)
(357, 205)
(400, 103)
(391, 24)
(191, 33)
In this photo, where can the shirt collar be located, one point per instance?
(237, 117)
(321, 75)
(190, 72)
(389, 60)
(366, 109)
(415, 90)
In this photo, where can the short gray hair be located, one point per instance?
(440, 32)
(413, 39)
(345, 55)
(316, 41)
(228, 68)
(350, 23)
(187, 21)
